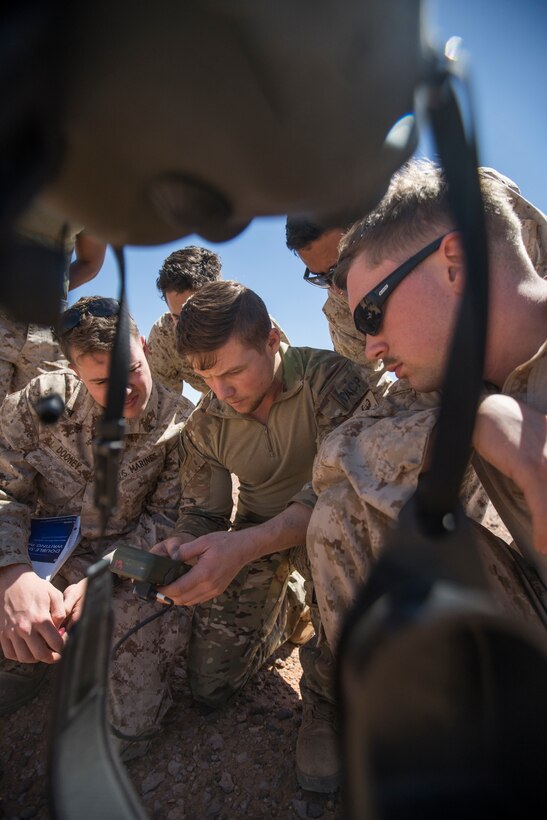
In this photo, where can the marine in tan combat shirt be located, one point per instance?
(48, 470)
(268, 407)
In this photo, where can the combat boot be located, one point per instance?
(318, 764)
(19, 683)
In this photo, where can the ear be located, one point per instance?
(454, 258)
(144, 345)
(274, 340)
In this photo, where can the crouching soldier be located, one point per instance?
(48, 470)
(268, 406)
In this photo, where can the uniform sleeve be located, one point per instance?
(12, 339)
(7, 370)
(206, 496)
(18, 491)
(160, 355)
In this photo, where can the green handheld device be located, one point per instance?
(128, 562)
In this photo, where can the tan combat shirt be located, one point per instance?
(273, 462)
(48, 469)
(167, 365)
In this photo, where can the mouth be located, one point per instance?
(131, 401)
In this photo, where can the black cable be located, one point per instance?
(139, 625)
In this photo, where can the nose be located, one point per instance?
(222, 390)
(375, 348)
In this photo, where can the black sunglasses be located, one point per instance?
(72, 317)
(368, 314)
(320, 280)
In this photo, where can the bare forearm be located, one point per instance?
(511, 436)
(285, 530)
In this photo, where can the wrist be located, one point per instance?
(12, 572)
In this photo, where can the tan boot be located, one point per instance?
(318, 765)
(303, 631)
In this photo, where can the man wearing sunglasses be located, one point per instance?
(317, 247)
(48, 470)
(404, 270)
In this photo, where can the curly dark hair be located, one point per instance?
(188, 269)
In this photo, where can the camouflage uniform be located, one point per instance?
(363, 474)
(26, 351)
(234, 633)
(532, 220)
(48, 470)
(166, 365)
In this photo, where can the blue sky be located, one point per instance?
(505, 44)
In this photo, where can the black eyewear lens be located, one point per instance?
(320, 280)
(369, 313)
(72, 317)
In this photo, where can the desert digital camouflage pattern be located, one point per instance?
(233, 634)
(533, 222)
(48, 470)
(26, 351)
(167, 366)
(364, 473)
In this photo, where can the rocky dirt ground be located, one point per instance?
(236, 762)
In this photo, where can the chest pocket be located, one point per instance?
(61, 475)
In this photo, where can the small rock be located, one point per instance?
(241, 717)
(300, 807)
(284, 713)
(173, 768)
(226, 783)
(315, 810)
(242, 757)
(214, 809)
(263, 789)
(180, 789)
(216, 742)
(152, 782)
(279, 663)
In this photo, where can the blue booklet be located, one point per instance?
(51, 542)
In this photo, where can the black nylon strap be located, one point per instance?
(110, 429)
(438, 494)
